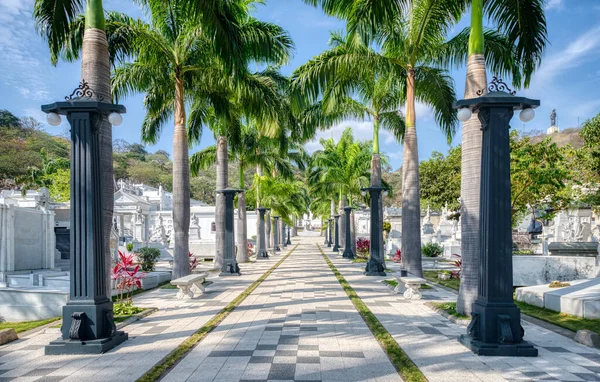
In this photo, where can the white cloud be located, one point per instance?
(585, 47)
(554, 4)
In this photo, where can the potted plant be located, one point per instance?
(444, 275)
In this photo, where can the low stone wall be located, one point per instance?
(31, 304)
(536, 270)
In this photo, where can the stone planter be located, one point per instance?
(444, 276)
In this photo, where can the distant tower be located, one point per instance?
(553, 125)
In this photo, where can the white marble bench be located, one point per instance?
(190, 285)
(411, 286)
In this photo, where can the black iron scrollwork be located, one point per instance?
(497, 85)
(473, 328)
(77, 319)
(505, 334)
(110, 321)
(84, 91)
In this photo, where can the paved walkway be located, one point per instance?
(298, 325)
(150, 339)
(430, 340)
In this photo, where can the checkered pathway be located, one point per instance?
(298, 325)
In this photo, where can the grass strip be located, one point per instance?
(450, 308)
(453, 283)
(20, 327)
(394, 283)
(162, 367)
(403, 364)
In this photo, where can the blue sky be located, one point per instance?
(569, 79)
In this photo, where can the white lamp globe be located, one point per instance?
(115, 119)
(527, 115)
(386, 193)
(53, 119)
(464, 114)
(364, 193)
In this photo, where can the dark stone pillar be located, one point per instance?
(348, 252)
(230, 265)
(330, 232)
(375, 266)
(262, 242)
(495, 328)
(276, 234)
(336, 245)
(289, 242)
(88, 325)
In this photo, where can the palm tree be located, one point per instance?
(408, 41)
(70, 35)
(340, 169)
(252, 150)
(514, 48)
(178, 62)
(379, 94)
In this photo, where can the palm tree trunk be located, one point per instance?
(471, 167)
(242, 226)
(411, 188)
(222, 174)
(95, 69)
(258, 238)
(181, 187)
(295, 227)
(268, 230)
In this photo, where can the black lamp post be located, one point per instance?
(330, 233)
(336, 240)
(495, 328)
(326, 235)
(88, 326)
(276, 234)
(375, 265)
(262, 238)
(289, 242)
(348, 252)
(230, 265)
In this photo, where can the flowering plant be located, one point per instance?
(363, 246)
(457, 263)
(193, 261)
(397, 257)
(250, 249)
(127, 277)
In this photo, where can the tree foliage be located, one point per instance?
(440, 179)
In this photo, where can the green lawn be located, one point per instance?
(360, 260)
(450, 308)
(394, 283)
(563, 320)
(20, 327)
(432, 276)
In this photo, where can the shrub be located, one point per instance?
(363, 246)
(127, 277)
(432, 250)
(397, 257)
(457, 263)
(129, 247)
(387, 227)
(148, 257)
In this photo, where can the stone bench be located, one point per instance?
(411, 286)
(190, 285)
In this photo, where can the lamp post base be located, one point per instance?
(374, 268)
(522, 349)
(262, 255)
(336, 248)
(348, 254)
(85, 347)
(230, 269)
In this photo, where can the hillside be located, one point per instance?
(24, 165)
(569, 136)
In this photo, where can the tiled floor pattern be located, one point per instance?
(298, 325)
(430, 340)
(150, 339)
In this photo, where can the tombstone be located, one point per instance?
(194, 228)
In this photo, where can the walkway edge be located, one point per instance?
(401, 361)
(159, 370)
